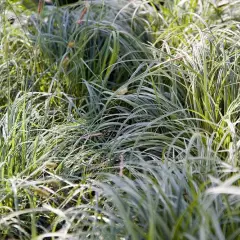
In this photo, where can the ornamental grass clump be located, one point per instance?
(101, 42)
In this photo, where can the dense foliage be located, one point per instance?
(120, 120)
